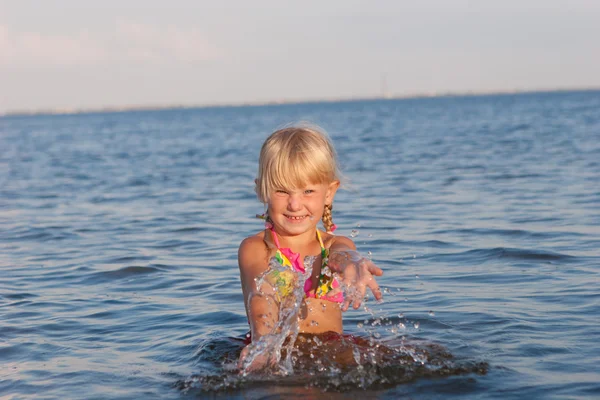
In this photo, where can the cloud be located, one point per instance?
(34, 49)
(126, 42)
(143, 42)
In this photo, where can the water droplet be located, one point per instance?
(359, 325)
(406, 299)
(401, 315)
(417, 276)
(312, 355)
(431, 313)
(354, 233)
(370, 235)
(416, 325)
(314, 323)
(324, 306)
(401, 326)
(358, 225)
(377, 335)
(386, 291)
(414, 256)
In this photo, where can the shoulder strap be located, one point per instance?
(275, 239)
(320, 240)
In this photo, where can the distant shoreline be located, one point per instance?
(149, 107)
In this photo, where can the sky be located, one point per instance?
(72, 54)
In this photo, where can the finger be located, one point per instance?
(375, 289)
(359, 296)
(243, 356)
(349, 295)
(334, 291)
(346, 304)
(348, 283)
(374, 269)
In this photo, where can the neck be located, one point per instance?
(296, 241)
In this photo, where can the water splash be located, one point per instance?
(329, 361)
(336, 362)
(284, 287)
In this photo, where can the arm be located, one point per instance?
(261, 308)
(356, 271)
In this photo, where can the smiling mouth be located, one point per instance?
(296, 218)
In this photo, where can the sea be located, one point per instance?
(119, 234)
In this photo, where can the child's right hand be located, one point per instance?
(357, 274)
(261, 361)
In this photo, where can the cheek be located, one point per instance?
(318, 205)
(276, 203)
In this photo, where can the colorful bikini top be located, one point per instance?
(327, 282)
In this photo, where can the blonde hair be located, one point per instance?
(293, 157)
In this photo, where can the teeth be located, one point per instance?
(292, 217)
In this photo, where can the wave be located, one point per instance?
(503, 253)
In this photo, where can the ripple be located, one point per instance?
(123, 273)
(483, 255)
(118, 262)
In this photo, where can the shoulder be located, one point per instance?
(334, 241)
(253, 260)
(253, 253)
(252, 245)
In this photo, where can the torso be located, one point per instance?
(316, 315)
(321, 316)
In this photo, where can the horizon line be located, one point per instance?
(174, 106)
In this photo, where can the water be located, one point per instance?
(119, 234)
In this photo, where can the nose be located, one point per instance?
(294, 203)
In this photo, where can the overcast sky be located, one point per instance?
(89, 53)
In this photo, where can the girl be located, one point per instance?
(297, 180)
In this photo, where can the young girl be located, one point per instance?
(297, 179)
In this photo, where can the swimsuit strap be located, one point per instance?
(275, 239)
(320, 240)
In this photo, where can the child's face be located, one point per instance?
(295, 211)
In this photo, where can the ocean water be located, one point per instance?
(119, 235)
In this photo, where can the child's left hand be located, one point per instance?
(357, 274)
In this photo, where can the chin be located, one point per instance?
(297, 228)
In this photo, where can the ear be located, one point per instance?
(331, 191)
